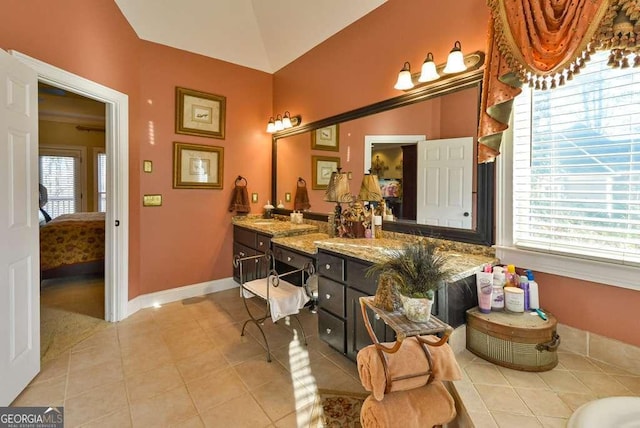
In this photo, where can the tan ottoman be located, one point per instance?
(422, 407)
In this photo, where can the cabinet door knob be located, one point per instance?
(257, 261)
(376, 316)
(327, 266)
(328, 296)
(288, 259)
(242, 254)
(261, 243)
(328, 331)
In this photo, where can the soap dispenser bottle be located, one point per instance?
(534, 296)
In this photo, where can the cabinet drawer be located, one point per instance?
(263, 243)
(244, 237)
(356, 278)
(291, 258)
(331, 330)
(331, 296)
(331, 266)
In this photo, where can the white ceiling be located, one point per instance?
(262, 34)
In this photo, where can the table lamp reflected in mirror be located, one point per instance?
(338, 192)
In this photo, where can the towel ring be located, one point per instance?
(304, 183)
(240, 178)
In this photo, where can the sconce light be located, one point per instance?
(283, 122)
(455, 61)
(271, 126)
(429, 72)
(404, 78)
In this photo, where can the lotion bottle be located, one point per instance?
(534, 296)
(524, 285)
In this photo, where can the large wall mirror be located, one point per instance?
(385, 136)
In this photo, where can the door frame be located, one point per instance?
(370, 140)
(117, 148)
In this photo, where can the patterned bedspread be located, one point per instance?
(72, 238)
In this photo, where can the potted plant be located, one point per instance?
(418, 271)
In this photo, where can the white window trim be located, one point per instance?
(75, 151)
(96, 197)
(618, 275)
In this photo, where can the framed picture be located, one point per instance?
(326, 138)
(321, 169)
(197, 167)
(199, 113)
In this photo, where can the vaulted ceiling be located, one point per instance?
(261, 34)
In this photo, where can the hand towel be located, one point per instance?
(301, 200)
(418, 408)
(284, 300)
(409, 359)
(240, 199)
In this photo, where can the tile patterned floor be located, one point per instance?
(496, 396)
(185, 364)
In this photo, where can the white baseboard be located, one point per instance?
(180, 293)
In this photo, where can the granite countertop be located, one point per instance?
(461, 263)
(273, 227)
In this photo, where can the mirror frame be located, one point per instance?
(485, 191)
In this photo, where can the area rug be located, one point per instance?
(61, 330)
(338, 409)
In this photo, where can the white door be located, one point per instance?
(445, 177)
(19, 252)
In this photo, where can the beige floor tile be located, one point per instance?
(177, 331)
(148, 342)
(150, 384)
(45, 393)
(202, 364)
(502, 399)
(549, 422)
(241, 349)
(94, 404)
(93, 356)
(510, 420)
(485, 374)
(610, 369)
(242, 411)
(53, 369)
(563, 381)
(482, 420)
(323, 374)
(517, 378)
(216, 388)
(471, 400)
(575, 362)
(192, 422)
(603, 385)
(256, 372)
(134, 330)
(279, 398)
(166, 409)
(573, 400)
(120, 418)
(108, 336)
(189, 344)
(631, 382)
(88, 378)
(544, 403)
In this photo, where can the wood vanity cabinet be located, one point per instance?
(342, 282)
(247, 242)
(288, 259)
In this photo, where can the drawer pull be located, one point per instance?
(376, 316)
(261, 243)
(328, 296)
(257, 261)
(328, 331)
(242, 254)
(327, 266)
(288, 259)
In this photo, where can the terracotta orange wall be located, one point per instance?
(188, 239)
(359, 65)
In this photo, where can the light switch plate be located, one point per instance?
(254, 198)
(147, 166)
(152, 200)
(287, 197)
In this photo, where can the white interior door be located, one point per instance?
(19, 248)
(445, 178)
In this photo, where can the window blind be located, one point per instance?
(577, 166)
(58, 173)
(102, 182)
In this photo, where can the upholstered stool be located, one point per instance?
(422, 407)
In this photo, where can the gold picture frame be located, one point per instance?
(199, 113)
(327, 138)
(196, 166)
(321, 169)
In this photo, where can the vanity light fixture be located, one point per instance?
(283, 122)
(429, 72)
(404, 78)
(455, 61)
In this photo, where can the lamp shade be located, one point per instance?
(278, 124)
(271, 126)
(370, 188)
(455, 61)
(429, 72)
(338, 188)
(404, 78)
(286, 120)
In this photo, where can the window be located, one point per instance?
(60, 173)
(101, 181)
(576, 166)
